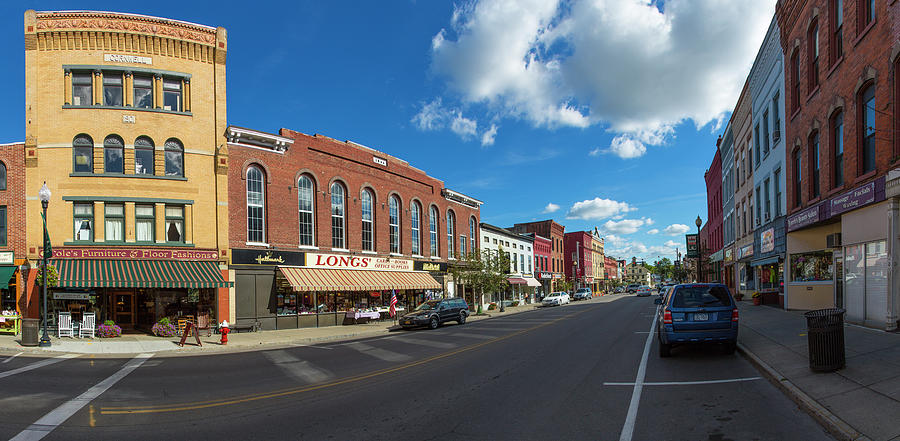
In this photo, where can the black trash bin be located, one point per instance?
(30, 331)
(825, 333)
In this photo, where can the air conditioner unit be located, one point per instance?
(833, 240)
(776, 135)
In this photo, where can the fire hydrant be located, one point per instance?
(223, 329)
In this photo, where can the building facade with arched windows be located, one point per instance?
(12, 242)
(125, 120)
(324, 232)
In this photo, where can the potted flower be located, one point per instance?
(757, 298)
(163, 328)
(738, 296)
(109, 329)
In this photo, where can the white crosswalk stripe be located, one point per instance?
(35, 365)
(379, 353)
(429, 343)
(296, 367)
(474, 335)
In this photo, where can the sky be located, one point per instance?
(595, 113)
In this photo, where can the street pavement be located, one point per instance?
(588, 370)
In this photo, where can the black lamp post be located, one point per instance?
(44, 194)
(698, 222)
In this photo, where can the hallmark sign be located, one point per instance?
(133, 254)
(266, 257)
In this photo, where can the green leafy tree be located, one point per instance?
(485, 271)
(662, 268)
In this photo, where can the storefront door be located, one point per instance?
(123, 307)
(839, 279)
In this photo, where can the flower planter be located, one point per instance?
(757, 300)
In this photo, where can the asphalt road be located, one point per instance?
(554, 373)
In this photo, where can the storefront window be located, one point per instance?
(811, 267)
(287, 303)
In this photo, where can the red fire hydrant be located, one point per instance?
(223, 329)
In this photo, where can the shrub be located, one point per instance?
(109, 329)
(514, 303)
(163, 328)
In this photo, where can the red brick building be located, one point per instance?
(611, 268)
(841, 61)
(12, 230)
(579, 258)
(715, 243)
(542, 256)
(344, 225)
(555, 232)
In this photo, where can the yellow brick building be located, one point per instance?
(598, 262)
(125, 122)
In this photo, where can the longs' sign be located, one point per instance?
(133, 253)
(340, 261)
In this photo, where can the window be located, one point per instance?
(114, 222)
(394, 221)
(256, 205)
(797, 178)
(113, 154)
(432, 231)
(337, 216)
(767, 198)
(472, 233)
(84, 222)
(172, 94)
(144, 223)
(415, 219)
(837, 124)
(3, 241)
(758, 206)
(813, 54)
(837, 30)
(82, 89)
(144, 156)
(765, 138)
(83, 154)
(365, 207)
(795, 81)
(744, 219)
(462, 246)
(777, 182)
(112, 89)
(515, 263)
(867, 125)
(451, 227)
(776, 119)
(174, 158)
(175, 223)
(865, 12)
(2, 176)
(814, 165)
(143, 92)
(305, 199)
(522, 262)
(811, 267)
(756, 142)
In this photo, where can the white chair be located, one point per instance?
(88, 321)
(64, 325)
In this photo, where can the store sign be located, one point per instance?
(435, 267)
(71, 296)
(693, 251)
(121, 58)
(7, 258)
(546, 276)
(343, 261)
(746, 251)
(133, 254)
(806, 217)
(853, 199)
(729, 255)
(767, 240)
(266, 257)
(379, 161)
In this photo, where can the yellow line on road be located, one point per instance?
(277, 394)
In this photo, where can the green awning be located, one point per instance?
(6, 273)
(97, 273)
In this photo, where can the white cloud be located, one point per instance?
(653, 231)
(676, 229)
(550, 208)
(543, 61)
(431, 117)
(597, 209)
(487, 138)
(625, 226)
(671, 243)
(462, 126)
(434, 116)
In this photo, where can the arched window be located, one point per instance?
(144, 157)
(867, 128)
(451, 223)
(813, 54)
(367, 214)
(394, 221)
(414, 216)
(432, 229)
(83, 154)
(795, 82)
(472, 234)
(814, 165)
(2, 176)
(837, 137)
(305, 201)
(337, 216)
(256, 205)
(837, 29)
(113, 154)
(174, 158)
(797, 180)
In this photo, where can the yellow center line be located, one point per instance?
(286, 392)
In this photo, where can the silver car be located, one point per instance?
(555, 299)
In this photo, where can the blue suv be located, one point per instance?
(697, 313)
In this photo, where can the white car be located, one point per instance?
(643, 291)
(555, 299)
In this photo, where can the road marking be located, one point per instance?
(10, 358)
(641, 332)
(684, 383)
(382, 354)
(474, 335)
(38, 364)
(311, 346)
(55, 417)
(429, 343)
(628, 428)
(297, 368)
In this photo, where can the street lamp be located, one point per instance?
(44, 194)
(698, 222)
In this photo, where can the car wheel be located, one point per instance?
(433, 324)
(462, 318)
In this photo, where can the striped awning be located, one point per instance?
(105, 273)
(516, 281)
(317, 279)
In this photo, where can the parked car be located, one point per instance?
(632, 288)
(619, 289)
(582, 294)
(697, 313)
(555, 299)
(644, 291)
(434, 313)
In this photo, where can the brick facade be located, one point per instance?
(555, 232)
(13, 198)
(580, 242)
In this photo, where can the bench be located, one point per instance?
(240, 327)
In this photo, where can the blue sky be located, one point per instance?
(594, 113)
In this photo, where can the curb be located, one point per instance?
(831, 422)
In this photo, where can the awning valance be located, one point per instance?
(318, 279)
(516, 281)
(108, 273)
(6, 273)
(766, 261)
(530, 281)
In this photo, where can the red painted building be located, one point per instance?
(555, 232)
(322, 229)
(12, 231)
(578, 258)
(609, 264)
(542, 256)
(714, 219)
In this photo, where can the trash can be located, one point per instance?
(825, 334)
(30, 331)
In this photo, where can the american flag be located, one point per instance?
(393, 310)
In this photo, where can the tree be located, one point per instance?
(662, 268)
(564, 285)
(483, 270)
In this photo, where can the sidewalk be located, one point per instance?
(243, 341)
(860, 401)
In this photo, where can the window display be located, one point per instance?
(812, 267)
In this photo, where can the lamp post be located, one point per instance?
(44, 194)
(698, 222)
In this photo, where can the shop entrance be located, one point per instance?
(123, 305)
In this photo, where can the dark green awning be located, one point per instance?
(6, 273)
(97, 273)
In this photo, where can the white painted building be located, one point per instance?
(520, 249)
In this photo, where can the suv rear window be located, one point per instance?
(701, 296)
